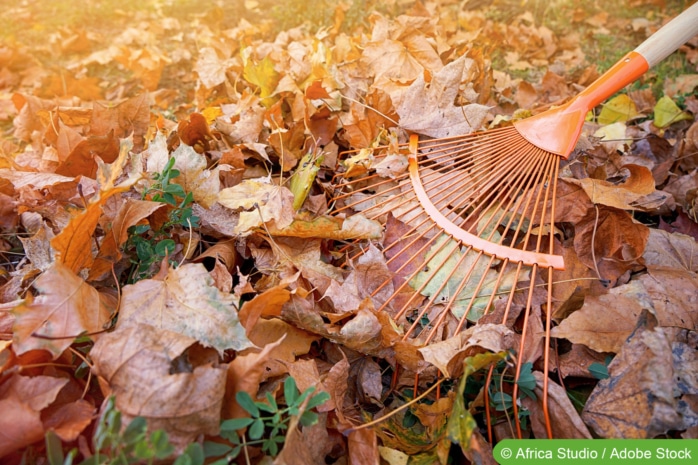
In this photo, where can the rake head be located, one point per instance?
(465, 221)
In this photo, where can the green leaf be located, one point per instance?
(290, 391)
(272, 402)
(175, 189)
(318, 399)
(308, 418)
(502, 401)
(161, 444)
(266, 407)
(666, 112)
(256, 429)
(526, 381)
(599, 370)
(235, 424)
(166, 246)
(247, 403)
(135, 431)
(215, 449)
(54, 449)
(196, 453)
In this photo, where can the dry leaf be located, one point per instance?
(617, 241)
(638, 184)
(66, 308)
(605, 321)
(640, 398)
(244, 374)
(151, 374)
(672, 250)
(22, 398)
(185, 301)
(262, 203)
(674, 294)
(431, 111)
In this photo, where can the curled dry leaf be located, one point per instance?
(151, 374)
(244, 374)
(448, 355)
(187, 302)
(638, 184)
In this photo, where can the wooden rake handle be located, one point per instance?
(669, 38)
(558, 129)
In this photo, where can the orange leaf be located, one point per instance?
(66, 307)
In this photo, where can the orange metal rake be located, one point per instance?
(468, 223)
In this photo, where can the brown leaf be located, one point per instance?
(576, 362)
(82, 162)
(268, 303)
(130, 213)
(73, 244)
(336, 385)
(71, 419)
(665, 249)
(640, 399)
(22, 398)
(310, 445)
(363, 447)
(605, 321)
(613, 242)
(130, 117)
(638, 183)
(674, 293)
(185, 301)
(66, 307)
(245, 373)
(151, 374)
(431, 111)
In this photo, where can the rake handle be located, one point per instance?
(558, 129)
(628, 69)
(669, 38)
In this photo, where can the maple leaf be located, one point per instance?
(430, 110)
(263, 75)
(187, 302)
(66, 308)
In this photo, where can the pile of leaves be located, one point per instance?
(173, 284)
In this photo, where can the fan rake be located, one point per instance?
(469, 219)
